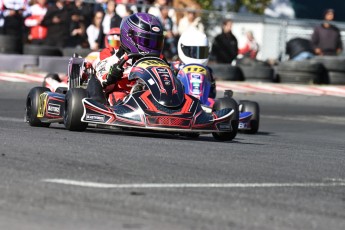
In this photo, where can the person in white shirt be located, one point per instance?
(37, 32)
(190, 20)
(92, 30)
(123, 9)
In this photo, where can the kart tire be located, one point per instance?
(257, 73)
(62, 90)
(226, 72)
(298, 77)
(10, 44)
(336, 78)
(302, 72)
(223, 103)
(32, 104)
(53, 76)
(300, 66)
(253, 107)
(74, 78)
(74, 110)
(332, 63)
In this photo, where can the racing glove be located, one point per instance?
(115, 73)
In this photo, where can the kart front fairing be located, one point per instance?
(196, 81)
(141, 110)
(166, 89)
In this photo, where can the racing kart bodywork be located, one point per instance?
(157, 102)
(197, 82)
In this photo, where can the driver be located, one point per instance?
(139, 33)
(193, 48)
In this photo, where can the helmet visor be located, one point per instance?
(113, 40)
(197, 52)
(150, 41)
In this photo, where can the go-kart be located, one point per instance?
(197, 82)
(157, 102)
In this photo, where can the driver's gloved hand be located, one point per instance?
(115, 73)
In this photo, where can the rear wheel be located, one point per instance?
(253, 107)
(32, 105)
(74, 109)
(223, 103)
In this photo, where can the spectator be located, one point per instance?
(169, 49)
(110, 20)
(93, 30)
(326, 37)
(14, 12)
(251, 47)
(57, 21)
(85, 11)
(225, 47)
(123, 9)
(299, 49)
(77, 33)
(37, 32)
(156, 10)
(100, 5)
(190, 20)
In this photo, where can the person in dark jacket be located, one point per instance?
(57, 21)
(110, 20)
(326, 37)
(225, 47)
(299, 49)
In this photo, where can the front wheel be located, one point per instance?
(74, 109)
(223, 103)
(32, 105)
(253, 107)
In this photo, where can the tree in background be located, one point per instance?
(205, 4)
(252, 6)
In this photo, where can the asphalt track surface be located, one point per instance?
(291, 175)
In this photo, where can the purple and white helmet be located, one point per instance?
(142, 32)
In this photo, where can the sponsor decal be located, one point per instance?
(148, 63)
(53, 109)
(224, 126)
(95, 117)
(194, 69)
(101, 68)
(42, 104)
(155, 29)
(151, 81)
(243, 125)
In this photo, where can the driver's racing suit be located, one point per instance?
(176, 66)
(114, 92)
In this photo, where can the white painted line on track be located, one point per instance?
(193, 185)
